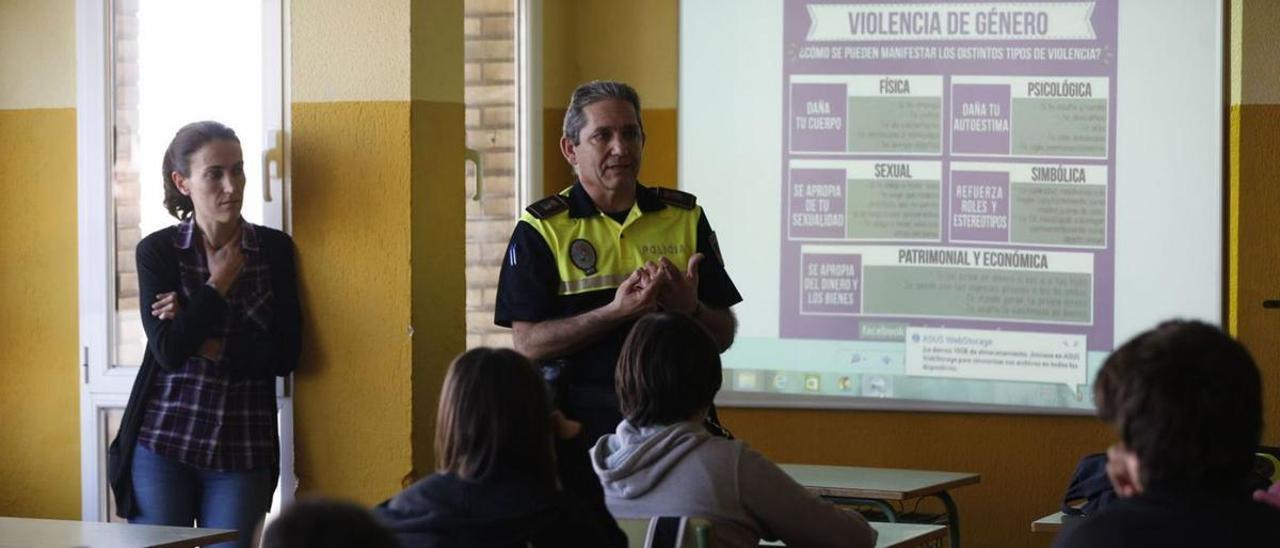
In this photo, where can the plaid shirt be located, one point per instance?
(201, 414)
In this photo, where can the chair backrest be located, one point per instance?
(666, 532)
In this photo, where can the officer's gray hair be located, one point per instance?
(592, 92)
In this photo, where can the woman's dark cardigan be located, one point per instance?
(171, 342)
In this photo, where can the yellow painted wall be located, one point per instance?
(1258, 247)
(345, 50)
(1255, 188)
(37, 54)
(351, 181)
(378, 219)
(630, 40)
(438, 256)
(351, 225)
(438, 215)
(560, 41)
(39, 338)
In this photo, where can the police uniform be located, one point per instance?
(566, 257)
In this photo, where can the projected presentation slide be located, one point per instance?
(952, 205)
(948, 196)
(960, 205)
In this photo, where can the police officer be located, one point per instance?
(583, 265)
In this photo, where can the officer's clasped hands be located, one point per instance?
(636, 296)
(668, 288)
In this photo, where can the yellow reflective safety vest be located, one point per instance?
(595, 252)
(565, 258)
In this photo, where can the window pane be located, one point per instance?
(166, 76)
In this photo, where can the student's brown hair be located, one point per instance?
(668, 369)
(326, 523)
(1187, 399)
(494, 417)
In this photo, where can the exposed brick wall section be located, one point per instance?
(127, 176)
(490, 100)
(126, 188)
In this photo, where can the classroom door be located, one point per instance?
(144, 69)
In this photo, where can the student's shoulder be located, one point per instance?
(746, 459)
(1262, 523)
(1139, 521)
(1109, 527)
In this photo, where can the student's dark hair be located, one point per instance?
(1187, 399)
(494, 418)
(668, 369)
(323, 523)
(177, 158)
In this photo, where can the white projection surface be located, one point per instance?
(935, 205)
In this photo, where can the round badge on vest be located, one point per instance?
(583, 255)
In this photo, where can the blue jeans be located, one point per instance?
(168, 492)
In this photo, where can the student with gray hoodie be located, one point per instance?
(661, 461)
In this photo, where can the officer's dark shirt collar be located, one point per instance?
(580, 204)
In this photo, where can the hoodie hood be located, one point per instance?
(445, 510)
(631, 461)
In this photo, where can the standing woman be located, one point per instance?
(198, 442)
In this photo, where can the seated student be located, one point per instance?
(320, 523)
(496, 485)
(662, 461)
(1186, 402)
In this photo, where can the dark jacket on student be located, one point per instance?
(1172, 518)
(445, 511)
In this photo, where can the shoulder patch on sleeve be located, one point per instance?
(548, 207)
(678, 198)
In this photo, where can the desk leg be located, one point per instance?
(953, 518)
(880, 505)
